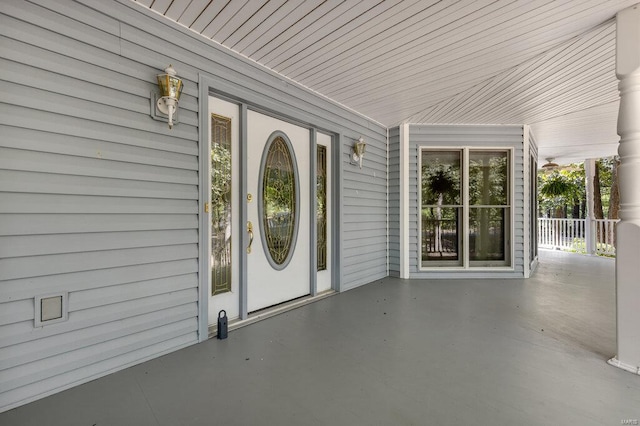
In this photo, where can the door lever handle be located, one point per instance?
(250, 231)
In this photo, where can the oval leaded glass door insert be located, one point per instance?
(278, 204)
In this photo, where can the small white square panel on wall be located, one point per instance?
(51, 309)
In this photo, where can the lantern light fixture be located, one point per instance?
(170, 86)
(358, 150)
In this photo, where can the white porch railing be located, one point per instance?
(579, 235)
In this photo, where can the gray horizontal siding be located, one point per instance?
(51, 183)
(23, 267)
(57, 203)
(29, 139)
(111, 355)
(394, 202)
(43, 223)
(364, 210)
(96, 200)
(467, 136)
(22, 289)
(54, 345)
(19, 159)
(99, 200)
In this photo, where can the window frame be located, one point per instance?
(465, 252)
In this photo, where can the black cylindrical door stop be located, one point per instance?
(222, 324)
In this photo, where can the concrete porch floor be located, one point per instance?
(437, 352)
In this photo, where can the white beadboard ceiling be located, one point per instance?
(547, 63)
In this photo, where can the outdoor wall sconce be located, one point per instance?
(358, 150)
(170, 86)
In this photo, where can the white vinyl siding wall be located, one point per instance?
(99, 200)
(472, 136)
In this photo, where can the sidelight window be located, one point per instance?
(321, 206)
(220, 204)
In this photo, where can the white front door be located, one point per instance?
(278, 209)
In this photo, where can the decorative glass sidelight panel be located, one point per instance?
(321, 206)
(279, 199)
(220, 204)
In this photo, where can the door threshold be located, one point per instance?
(271, 312)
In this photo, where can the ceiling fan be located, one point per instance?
(550, 165)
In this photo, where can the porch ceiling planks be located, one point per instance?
(480, 61)
(579, 135)
(569, 69)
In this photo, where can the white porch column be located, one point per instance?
(628, 229)
(404, 202)
(590, 224)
